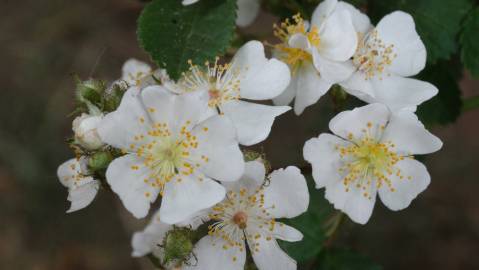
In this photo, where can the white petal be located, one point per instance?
(247, 11)
(286, 195)
(81, 196)
(211, 255)
(286, 233)
(333, 71)
(409, 135)
(361, 21)
(323, 11)
(128, 182)
(309, 87)
(270, 256)
(262, 78)
(147, 241)
(119, 128)
(175, 110)
(324, 158)
(252, 179)
(398, 92)
(357, 85)
(253, 122)
(299, 41)
(68, 171)
(188, 2)
(217, 141)
(182, 199)
(352, 202)
(353, 122)
(288, 95)
(398, 28)
(133, 70)
(338, 37)
(405, 190)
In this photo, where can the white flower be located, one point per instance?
(248, 215)
(85, 129)
(386, 55)
(135, 71)
(249, 76)
(247, 11)
(82, 188)
(371, 153)
(316, 54)
(169, 152)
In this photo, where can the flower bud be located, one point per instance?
(178, 245)
(90, 90)
(85, 129)
(99, 160)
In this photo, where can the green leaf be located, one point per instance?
(470, 43)
(173, 34)
(341, 259)
(437, 21)
(446, 106)
(311, 224)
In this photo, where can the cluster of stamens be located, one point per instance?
(237, 213)
(167, 156)
(373, 55)
(221, 81)
(368, 162)
(294, 57)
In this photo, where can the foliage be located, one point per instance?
(470, 41)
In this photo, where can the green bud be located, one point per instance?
(90, 90)
(99, 161)
(250, 155)
(177, 245)
(113, 99)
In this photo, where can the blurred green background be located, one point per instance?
(43, 42)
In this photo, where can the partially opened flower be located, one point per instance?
(316, 54)
(386, 56)
(230, 87)
(82, 188)
(169, 151)
(246, 218)
(85, 129)
(371, 152)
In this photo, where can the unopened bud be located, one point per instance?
(99, 161)
(178, 245)
(90, 90)
(85, 129)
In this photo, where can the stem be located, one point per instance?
(470, 103)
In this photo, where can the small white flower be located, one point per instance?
(82, 188)
(249, 76)
(371, 153)
(248, 215)
(135, 71)
(316, 54)
(386, 56)
(169, 152)
(246, 14)
(85, 130)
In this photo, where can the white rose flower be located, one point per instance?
(85, 130)
(249, 76)
(82, 188)
(169, 151)
(371, 152)
(248, 215)
(386, 56)
(316, 54)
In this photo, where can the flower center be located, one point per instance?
(221, 81)
(367, 161)
(240, 219)
(164, 155)
(373, 55)
(294, 57)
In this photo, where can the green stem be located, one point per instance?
(470, 103)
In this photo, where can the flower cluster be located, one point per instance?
(147, 137)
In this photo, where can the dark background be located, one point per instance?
(43, 42)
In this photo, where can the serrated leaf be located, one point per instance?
(437, 21)
(470, 42)
(173, 34)
(341, 259)
(446, 106)
(311, 224)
